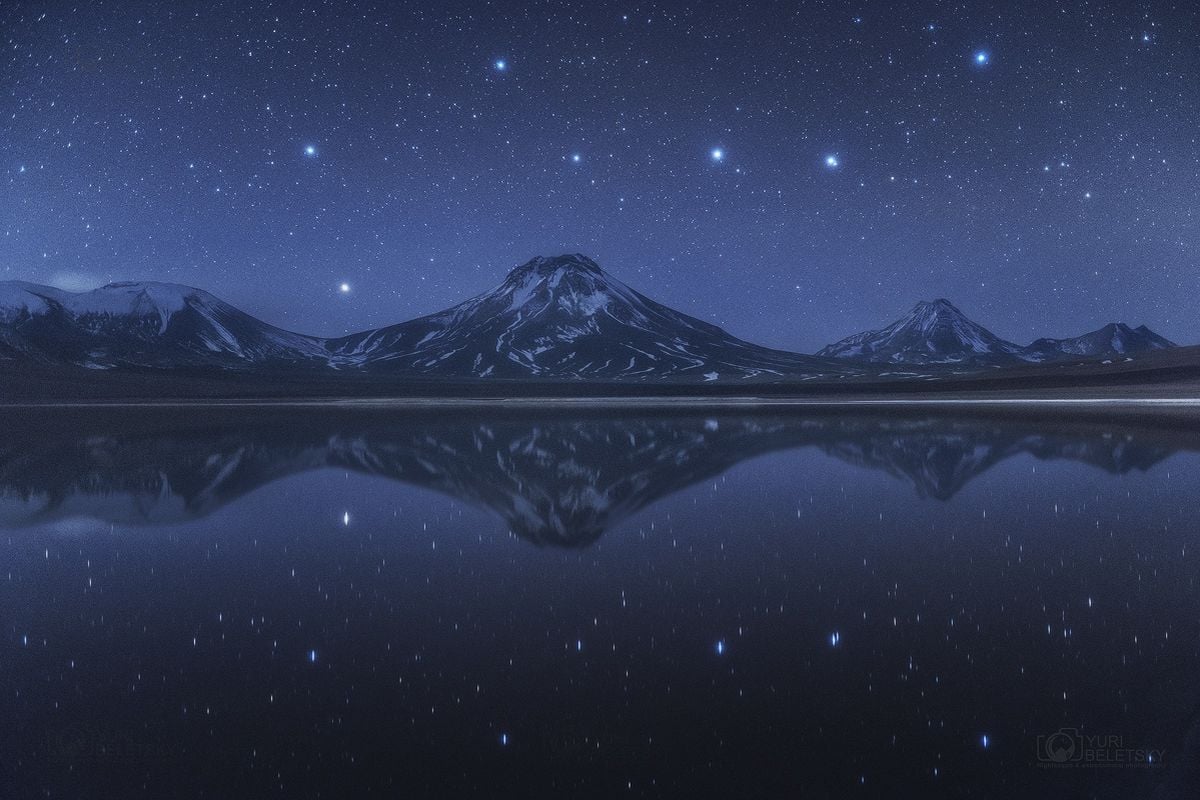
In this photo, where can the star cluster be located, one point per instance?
(793, 173)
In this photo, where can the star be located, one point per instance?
(717, 154)
(310, 150)
(982, 57)
(832, 162)
(576, 158)
(500, 65)
(344, 288)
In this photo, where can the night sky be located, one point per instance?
(792, 171)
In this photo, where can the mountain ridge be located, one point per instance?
(938, 333)
(551, 319)
(142, 323)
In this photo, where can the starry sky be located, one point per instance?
(795, 172)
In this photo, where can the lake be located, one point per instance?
(289, 603)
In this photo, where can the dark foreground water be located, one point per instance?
(285, 604)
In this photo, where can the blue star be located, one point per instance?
(982, 58)
(576, 158)
(500, 65)
(310, 151)
(832, 162)
(717, 154)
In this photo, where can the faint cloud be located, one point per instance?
(73, 281)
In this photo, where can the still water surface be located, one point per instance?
(293, 604)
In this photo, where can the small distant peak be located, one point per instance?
(1143, 332)
(1146, 331)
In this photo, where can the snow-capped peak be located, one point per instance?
(563, 317)
(574, 283)
(143, 324)
(129, 298)
(134, 299)
(555, 268)
(927, 314)
(932, 332)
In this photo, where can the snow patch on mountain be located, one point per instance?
(18, 298)
(160, 300)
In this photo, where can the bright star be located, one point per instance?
(835, 639)
(501, 65)
(721, 647)
(717, 154)
(310, 150)
(344, 288)
(984, 741)
(312, 656)
(577, 158)
(832, 161)
(982, 57)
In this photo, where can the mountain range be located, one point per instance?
(938, 333)
(551, 319)
(552, 480)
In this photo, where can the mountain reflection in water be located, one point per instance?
(554, 480)
(280, 602)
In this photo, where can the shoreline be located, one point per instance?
(635, 402)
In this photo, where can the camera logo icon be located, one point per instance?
(1060, 747)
